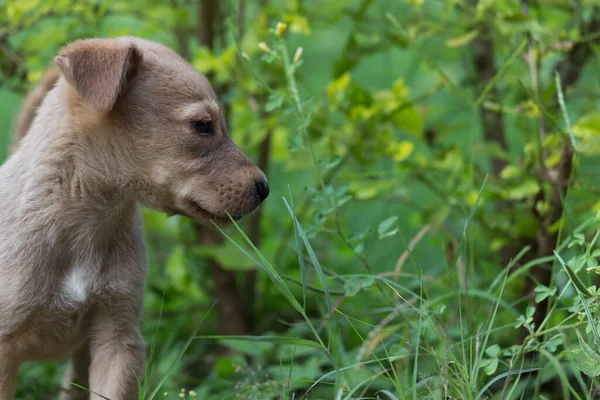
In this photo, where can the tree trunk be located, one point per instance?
(232, 311)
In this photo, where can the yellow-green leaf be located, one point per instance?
(401, 151)
(462, 40)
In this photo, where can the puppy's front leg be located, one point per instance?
(77, 373)
(8, 373)
(117, 356)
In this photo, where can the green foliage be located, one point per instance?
(386, 277)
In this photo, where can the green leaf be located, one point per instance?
(333, 162)
(586, 359)
(581, 290)
(511, 172)
(574, 277)
(274, 101)
(543, 292)
(491, 367)
(493, 351)
(409, 120)
(387, 227)
(528, 188)
(359, 248)
(587, 132)
(356, 283)
(529, 312)
(555, 341)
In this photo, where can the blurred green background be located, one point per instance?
(433, 166)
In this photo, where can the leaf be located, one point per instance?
(462, 40)
(491, 367)
(510, 172)
(555, 341)
(274, 101)
(587, 360)
(359, 248)
(530, 311)
(529, 187)
(543, 292)
(587, 132)
(581, 290)
(333, 162)
(268, 57)
(574, 277)
(356, 283)
(401, 151)
(409, 120)
(493, 351)
(386, 227)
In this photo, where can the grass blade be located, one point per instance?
(298, 250)
(268, 339)
(489, 330)
(179, 356)
(88, 390)
(388, 394)
(502, 376)
(416, 364)
(312, 256)
(265, 266)
(503, 69)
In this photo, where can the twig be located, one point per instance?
(413, 243)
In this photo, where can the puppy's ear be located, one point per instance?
(99, 69)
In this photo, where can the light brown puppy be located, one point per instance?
(127, 122)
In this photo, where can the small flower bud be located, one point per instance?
(280, 29)
(192, 393)
(263, 46)
(298, 54)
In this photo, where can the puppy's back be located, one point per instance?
(31, 104)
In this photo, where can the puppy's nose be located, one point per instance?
(262, 188)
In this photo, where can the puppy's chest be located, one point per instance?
(89, 281)
(80, 285)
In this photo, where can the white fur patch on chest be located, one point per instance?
(76, 285)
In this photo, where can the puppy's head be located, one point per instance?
(166, 126)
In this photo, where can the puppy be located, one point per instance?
(126, 121)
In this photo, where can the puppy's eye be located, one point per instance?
(203, 127)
